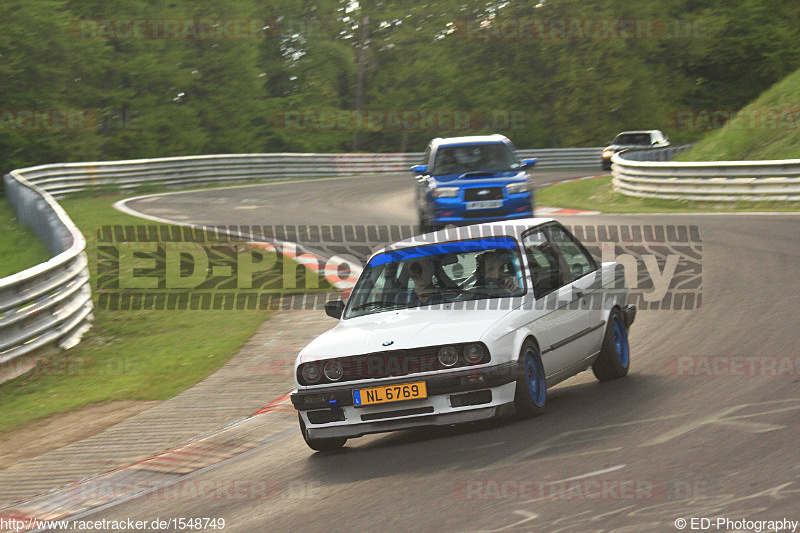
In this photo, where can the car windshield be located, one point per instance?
(632, 138)
(465, 158)
(437, 274)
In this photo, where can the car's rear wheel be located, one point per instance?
(531, 394)
(320, 445)
(615, 354)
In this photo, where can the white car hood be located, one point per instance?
(406, 328)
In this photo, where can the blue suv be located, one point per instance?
(469, 180)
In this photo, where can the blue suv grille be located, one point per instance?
(483, 193)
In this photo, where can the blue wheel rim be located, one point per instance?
(534, 377)
(621, 341)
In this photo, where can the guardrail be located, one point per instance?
(644, 174)
(51, 303)
(62, 179)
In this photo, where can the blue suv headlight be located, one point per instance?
(516, 188)
(445, 192)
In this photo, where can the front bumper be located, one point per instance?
(452, 398)
(454, 210)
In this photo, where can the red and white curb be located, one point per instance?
(552, 211)
(338, 271)
(149, 475)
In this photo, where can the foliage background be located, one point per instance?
(169, 97)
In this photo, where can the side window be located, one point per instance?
(546, 270)
(426, 159)
(578, 260)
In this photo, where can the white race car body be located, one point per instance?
(563, 310)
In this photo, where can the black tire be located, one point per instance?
(531, 394)
(615, 357)
(320, 445)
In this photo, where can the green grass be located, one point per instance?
(19, 247)
(596, 194)
(131, 354)
(767, 128)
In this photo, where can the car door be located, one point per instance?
(583, 279)
(554, 317)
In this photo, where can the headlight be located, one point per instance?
(333, 370)
(473, 353)
(516, 188)
(445, 192)
(311, 373)
(448, 356)
(607, 153)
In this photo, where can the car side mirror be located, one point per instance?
(529, 163)
(334, 308)
(420, 169)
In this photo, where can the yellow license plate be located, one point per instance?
(390, 393)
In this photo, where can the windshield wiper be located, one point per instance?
(376, 303)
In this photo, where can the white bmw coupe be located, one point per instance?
(459, 325)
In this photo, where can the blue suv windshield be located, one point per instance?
(460, 159)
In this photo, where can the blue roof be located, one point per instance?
(487, 243)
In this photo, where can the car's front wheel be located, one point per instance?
(320, 445)
(615, 354)
(425, 224)
(531, 393)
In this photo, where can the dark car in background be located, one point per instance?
(470, 180)
(633, 140)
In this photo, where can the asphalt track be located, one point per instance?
(636, 454)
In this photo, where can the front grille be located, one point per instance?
(492, 193)
(393, 363)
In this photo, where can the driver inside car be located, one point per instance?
(423, 292)
(492, 271)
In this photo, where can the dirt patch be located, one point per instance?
(56, 431)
